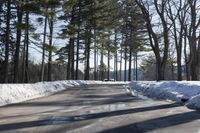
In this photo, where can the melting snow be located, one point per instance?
(187, 92)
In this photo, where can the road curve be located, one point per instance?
(97, 109)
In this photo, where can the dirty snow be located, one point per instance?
(186, 92)
(14, 93)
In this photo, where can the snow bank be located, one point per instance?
(14, 93)
(187, 92)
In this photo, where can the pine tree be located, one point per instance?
(7, 41)
(18, 40)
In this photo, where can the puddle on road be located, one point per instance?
(63, 120)
(93, 113)
(108, 108)
(114, 107)
(88, 102)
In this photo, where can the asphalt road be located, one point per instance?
(97, 109)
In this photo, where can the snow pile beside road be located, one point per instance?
(187, 92)
(14, 93)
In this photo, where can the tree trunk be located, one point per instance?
(108, 71)
(27, 48)
(102, 64)
(187, 68)
(95, 56)
(51, 25)
(192, 42)
(23, 62)
(178, 42)
(43, 49)
(198, 57)
(87, 50)
(77, 54)
(72, 60)
(179, 66)
(172, 71)
(69, 59)
(70, 65)
(120, 70)
(179, 55)
(116, 67)
(125, 64)
(78, 40)
(193, 39)
(17, 50)
(98, 65)
(160, 71)
(116, 59)
(130, 65)
(136, 66)
(7, 42)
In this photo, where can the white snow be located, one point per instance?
(14, 93)
(187, 92)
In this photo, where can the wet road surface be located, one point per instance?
(97, 109)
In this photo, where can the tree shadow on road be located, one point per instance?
(157, 123)
(61, 120)
(87, 100)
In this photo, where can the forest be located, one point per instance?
(99, 39)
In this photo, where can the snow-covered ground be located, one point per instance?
(186, 92)
(14, 93)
